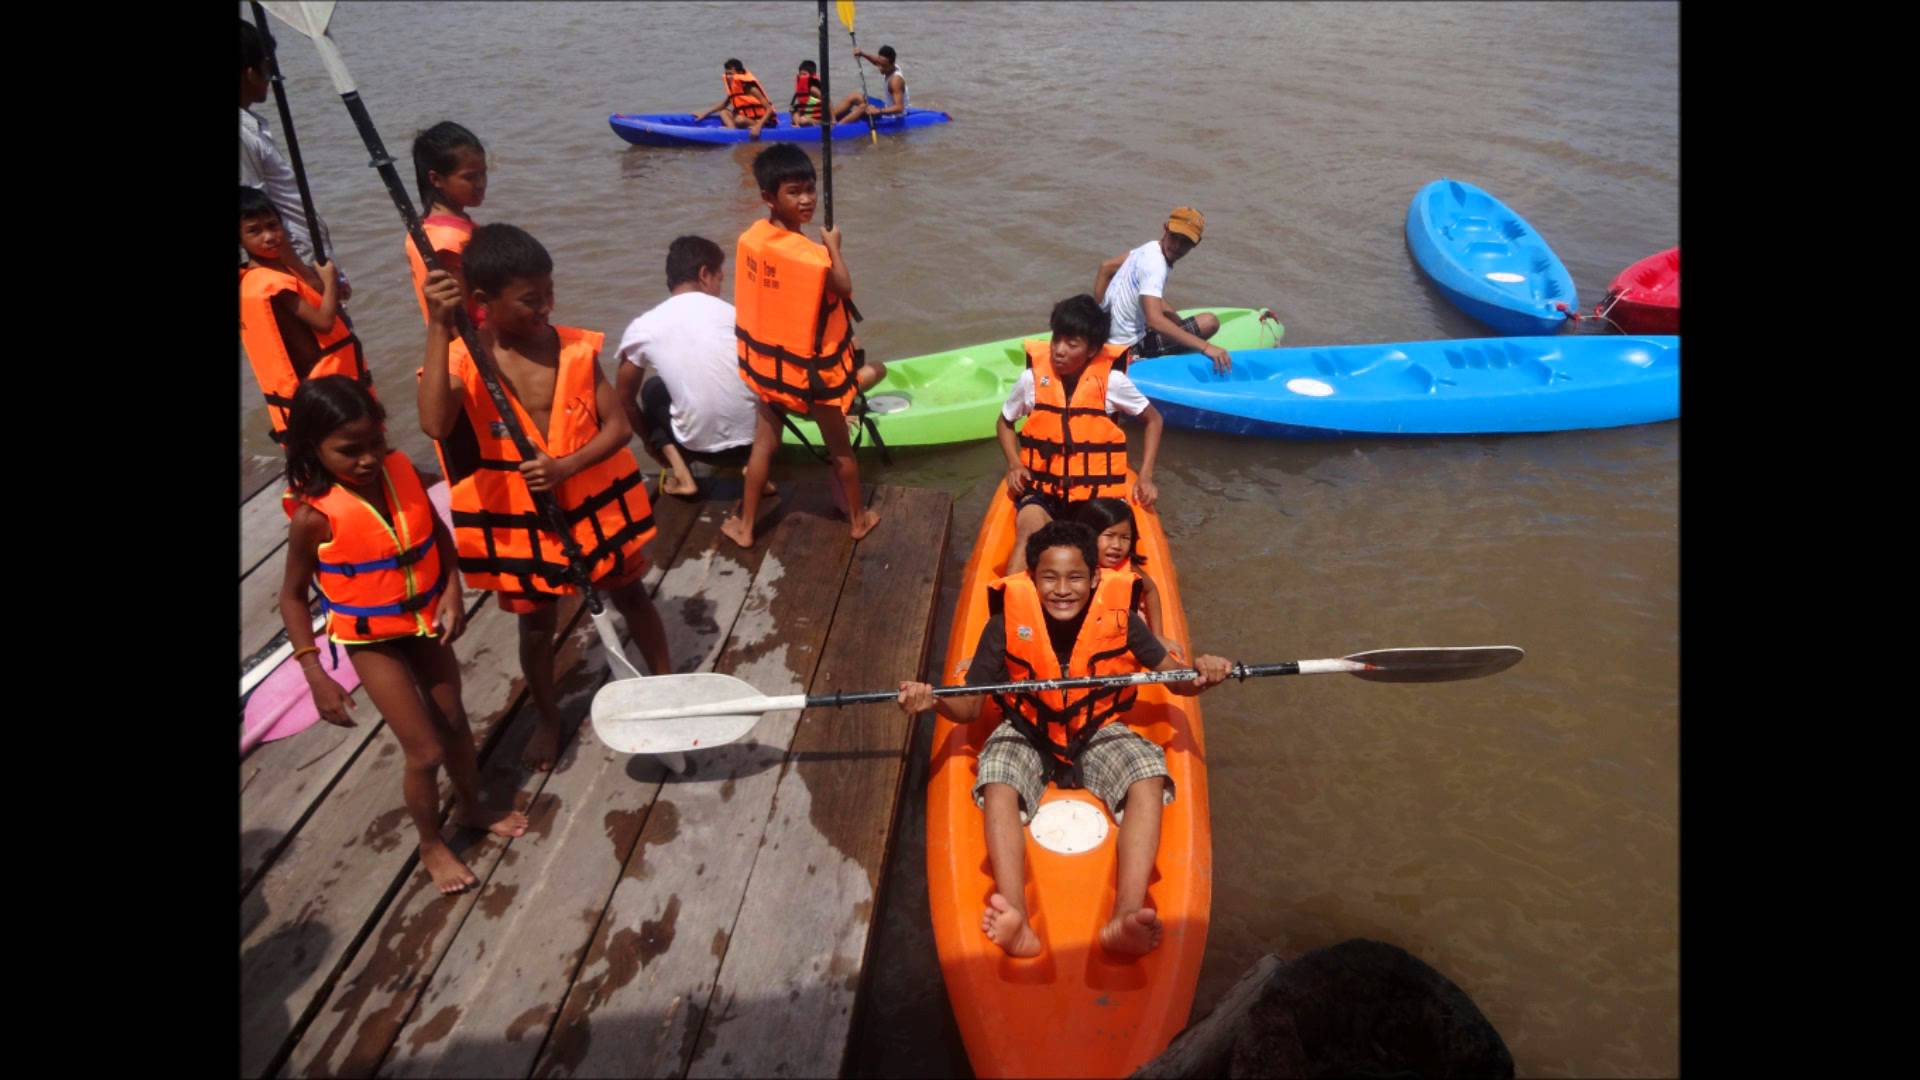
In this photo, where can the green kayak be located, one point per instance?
(953, 396)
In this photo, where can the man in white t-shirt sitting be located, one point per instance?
(693, 404)
(1130, 288)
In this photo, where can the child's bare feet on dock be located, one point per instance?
(1135, 933)
(449, 874)
(865, 522)
(738, 530)
(1008, 928)
(497, 822)
(543, 748)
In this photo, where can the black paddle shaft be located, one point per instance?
(577, 569)
(286, 125)
(1030, 686)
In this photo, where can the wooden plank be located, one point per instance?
(456, 955)
(263, 527)
(258, 471)
(284, 780)
(639, 1002)
(783, 1001)
(260, 603)
(320, 897)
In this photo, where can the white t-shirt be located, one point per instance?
(261, 166)
(1143, 274)
(1122, 396)
(688, 341)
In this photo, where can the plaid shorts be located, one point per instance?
(1116, 758)
(1156, 343)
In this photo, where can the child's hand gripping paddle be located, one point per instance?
(311, 18)
(673, 713)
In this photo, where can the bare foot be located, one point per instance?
(864, 525)
(672, 483)
(738, 530)
(449, 874)
(1136, 933)
(543, 748)
(1008, 928)
(497, 822)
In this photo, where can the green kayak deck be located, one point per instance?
(953, 396)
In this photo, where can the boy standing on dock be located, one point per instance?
(1089, 627)
(551, 376)
(1071, 449)
(790, 300)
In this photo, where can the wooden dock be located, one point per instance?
(713, 923)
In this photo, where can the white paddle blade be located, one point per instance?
(610, 640)
(649, 716)
(310, 19)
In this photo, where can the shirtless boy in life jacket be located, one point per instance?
(551, 377)
(790, 299)
(1071, 449)
(1080, 736)
(746, 104)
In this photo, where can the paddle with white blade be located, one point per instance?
(311, 19)
(670, 713)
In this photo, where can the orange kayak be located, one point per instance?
(1074, 1010)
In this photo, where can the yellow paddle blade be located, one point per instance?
(846, 13)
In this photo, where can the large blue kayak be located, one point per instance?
(679, 129)
(1477, 386)
(1487, 259)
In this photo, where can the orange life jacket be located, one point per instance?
(449, 233)
(502, 539)
(1073, 448)
(274, 367)
(1100, 649)
(378, 579)
(806, 96)
(740, 99)
(793, 333)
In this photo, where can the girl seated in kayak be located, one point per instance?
(1065, 606)
(450, 167)
(1114, 534)
(805, 104)
(363, 532)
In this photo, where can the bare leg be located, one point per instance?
(439, 674)
(390, 684)
(536, 663)
(766, 438)
(846, 468)
(727, 118)
(1005, 918)
(1135, 929)
(643, 622)
(681, 476)
(1028, 521)
(870, 373)
(851, 107)
(1207, 323)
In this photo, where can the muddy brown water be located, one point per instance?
(1519, 833)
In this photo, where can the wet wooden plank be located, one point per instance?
(260, 602)
(258, 471)
(469, 963)
(783, 1000)
(263, 527)
(320, 897)
(638, 1005)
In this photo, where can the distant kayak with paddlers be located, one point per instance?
(1479, 386)
(1488, 260)
(954, 396)
(681, 129)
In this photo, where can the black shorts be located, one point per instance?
(656, 406)
(1052, 504)
(1158, 344)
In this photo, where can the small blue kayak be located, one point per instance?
(1479, 386)
(679, 129)
(1488, 260)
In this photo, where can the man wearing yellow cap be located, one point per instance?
(1130, 288)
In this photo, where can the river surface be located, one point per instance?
(1519, 833)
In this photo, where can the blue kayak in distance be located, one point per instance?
(680, 129)
(1476, 386)
(1488, 260)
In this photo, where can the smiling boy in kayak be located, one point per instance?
(1066, 607)
(1071, 449)
(551, 375)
